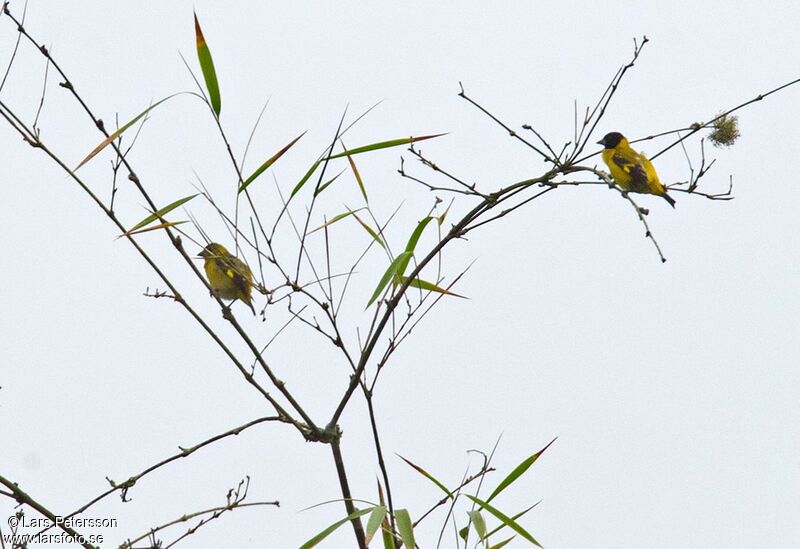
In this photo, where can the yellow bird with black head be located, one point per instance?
(631, 170)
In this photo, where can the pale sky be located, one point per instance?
(672, 388)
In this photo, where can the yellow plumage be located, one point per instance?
(631, 170)
(229, 277)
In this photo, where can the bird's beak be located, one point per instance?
(601, 142)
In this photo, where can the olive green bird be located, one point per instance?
(631, 170)
(229, 277)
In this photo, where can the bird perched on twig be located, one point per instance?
(631, 170)
(229, 277)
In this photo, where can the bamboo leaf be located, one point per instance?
(429, 286)
(332, 528)
(207, 66)
(428, 476)
(405, 528)
(374, 522)
(327, 183)
(103, 144)
(160, 213)
(270, 161)
(384, 145)
(386, 534)
(502, 543)
(508, 521)
(304, 179)
(335, 218)
(386, 530)
(515, 517)
(477, 520)
(400, 262)
(518, 471)
(372, 233)
(412, 242)
(442, 217)
(357, 175)
(153, 228)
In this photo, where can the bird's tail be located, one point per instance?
(669, 199)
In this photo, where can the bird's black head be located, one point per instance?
(611, 140)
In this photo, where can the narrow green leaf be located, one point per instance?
(442, 217)
(515, 517)
(477, 520)
(153, 228)
(332, 528)
(263, 167)
(374, 522)
(518, 471)
(388, 539)
(401, 268)
(160, 213)
(429, 286)
(464, 532)
(405, 528)
(372, 233)
(386, 530)
(357, 175)
(412, 242)
(428, 476)
(502, 543)
(327, 183)
(207, 66)
(508, 521)
(305, 178)
(384, 145)
(103, 144)
(401, 261)
(334, 219)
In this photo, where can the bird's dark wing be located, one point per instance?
(634, 168)
(236, 270)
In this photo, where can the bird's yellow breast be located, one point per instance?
(620, 176)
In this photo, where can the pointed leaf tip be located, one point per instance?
(384, 145)
(518, 471)
(160, 213)
(269, 162)
(207, 66)
(103, 144)
(198, 32)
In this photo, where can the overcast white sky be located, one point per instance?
(673, 388)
